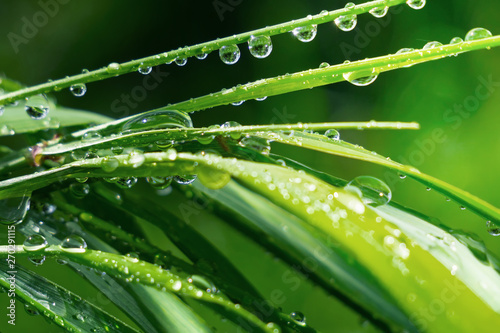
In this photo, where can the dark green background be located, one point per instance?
(90, 34)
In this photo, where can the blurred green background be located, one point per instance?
(90, 34)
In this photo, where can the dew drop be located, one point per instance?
(333, 134)
(372, 191)
(159, 183)
(213, 178)
(79, 191)
(492, 228)
(306, 34)
(185, 179)
(229, 124)
(37, 107)
(324, 65)
(109, 164)
(177, 285)
(259, 144)
(379, 12)
(37, 260)
(35, 243)
(477, 33)
(157, 120)
(91, 136)
(31, 310)
(135, 159)
(299, 318)
(113, 68)
(405, 50)
(456, 40)
(347, 22)
(126, 182)
(13, 210)
(204, 283)
(260, 46)
(181, 61)
(205, 138)
(462, 207)
(2, 109)
(238, 103)
(361, 78)
(229, 54)
(201, 56)
(416, 4)
(432, 45)
(73, 244)
(260, 99)
(145, 69)
(78, 89)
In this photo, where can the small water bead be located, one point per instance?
(31, 310)
(238, 103)
(48, 208)
(477, 33)
(160, 119)
(37, 107)
(492, 228)
(79, 191)
(361, 78)
(260, 99)
(91, 136)
(113, 68)
(204, 283)
(347, 22)
(405, 50)
(185, 179)
(2, 109)
(379, 12)
(37, 259)
(324, 65)
(372, 191)
(201, 56)
(144, 69)
(259, 144)
(13, 210)
(126, 182)
(229, 54)
(416, 4)
(462, 207)
(181, 61)
(229, 124)
(260, 46)
(78, 89)
(456, 40)
(299, 318)
(73, 244)
(431, 45)
(159, 183)
(306, 34)
(333, 134)
(35, 243)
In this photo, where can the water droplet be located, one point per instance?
(379, 12)
(205, 138)
(185, 179)
(213, 178)
(31, 310)
(456, 40)
(144, 69)
(177, 285)
(347, 22)
(305, 34)
(260, 99)
(48, 208)
(37, 107)
(238, 103)
(477, 33)
(492, 228)
(431, 45)
(35, 243)
(462, 207)
(109, 164)
(402, 176)
(135, 159)
(372, 191)
(201, 56)
(78, 89)
(78, 190)
(181, 61)
(13, 210)
(158, 119)
(416, 4)
(159, 183)
(91, 136)
(259, 144)
(37, 259)
(229, 54)
(324, 65)
(260, 46)
(204, 283)
(2, 109)
(73, 244)
(126, 182)
(405, 50)
(333, 134)
(6, 130)
(113, 68)
(361, 78)
(229, 124)
(299, 318)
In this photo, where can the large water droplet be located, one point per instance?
(379, 12)
(260, 46)
(135, 158)
(37, 107)
(201, 56)
(205, 138)
(347, 22)
(78, 89)
(79, 191)
(306, 34)
(229, 124)
(372, 191)
(416, 4)
(144, 69)
(35, 243)
(179, 61)
(185, 179)
(73, 244)
(333, 134)
(477, 33)
(361, 78)
(229, 54)
(37, 259)
(113, 68)
(299, 318)
(109, 164)
(212, 177)
(13, 210)
(158, 119)
(159, 183)
(492, 228)
(126, 182)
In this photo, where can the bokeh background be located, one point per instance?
(90, 34)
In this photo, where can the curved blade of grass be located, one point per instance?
(345, 149)
(168, 57)
(61, 306)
